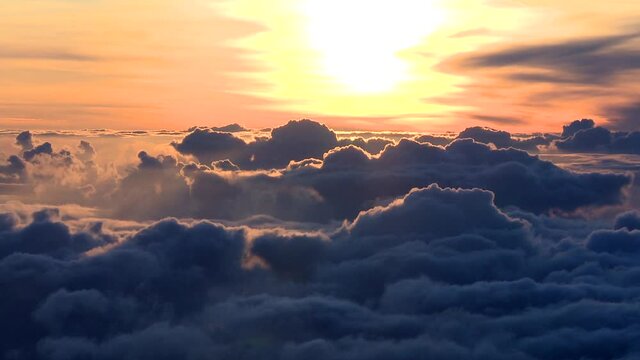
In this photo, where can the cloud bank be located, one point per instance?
(438, 273)
(306, 244)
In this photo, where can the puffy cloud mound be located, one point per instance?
(629, 220)
(55, 176)
(294, 141)
(373, 145)
(577, 125)
(434, 140)
(437, 273)
(463, 163)
(208, 145)
(502, 139)
(348, 180)
(25, 140)
(584, 136)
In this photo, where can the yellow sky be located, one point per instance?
(354, 64)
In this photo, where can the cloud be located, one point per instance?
(436, 272)
(335, 186)
(56, 176)
(373, 145)
(584, 61)
(348, 180)
(8, 52)
(503, 139)
(294, 141)
(14, 171)
(434, 140)
(577, 125)
(624, 117)
(629, 220)
(585, 137)
(499, 119)
(229, 128)
(208, 145)
(25, 140)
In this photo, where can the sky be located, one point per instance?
(319, 179)
(403, 65)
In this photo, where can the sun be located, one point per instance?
(360, 41)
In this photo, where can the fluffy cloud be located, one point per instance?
(577, 125)
(439, 273)
(25, 140)
(45, 174)
(502, 139)
(321, 187)
(297, 140)
(485, 135)
(348, 180)
(584, 136)
(294, 141)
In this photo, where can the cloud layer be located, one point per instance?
(305, 244)
(437, 273)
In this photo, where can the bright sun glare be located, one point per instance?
(360, 41)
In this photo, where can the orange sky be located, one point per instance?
(421, 65)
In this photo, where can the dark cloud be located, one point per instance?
(14, 171)
(225, 165)
(463, 163)
(586, 137)
(629, 220)
(436, 273)
(373, 145)
(229, 128)
(499, 119)
(86, 151)
(503, 139)
(434, 140)
(577, 125)
(44, 148)
(208, 145)
(619, 241)
(348, 180)
(624, 117)
(25, 140)
(585, 61)
(7, 52)
(295, 141)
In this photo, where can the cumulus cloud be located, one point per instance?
(321, 248)
(25, 140)
(584, 136)
(434, 139)
(60, 176)
(348, 180)
(577, 125)
(438, 272)
(503, 139)
(294, 141)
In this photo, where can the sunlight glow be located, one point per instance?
(361, 41)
